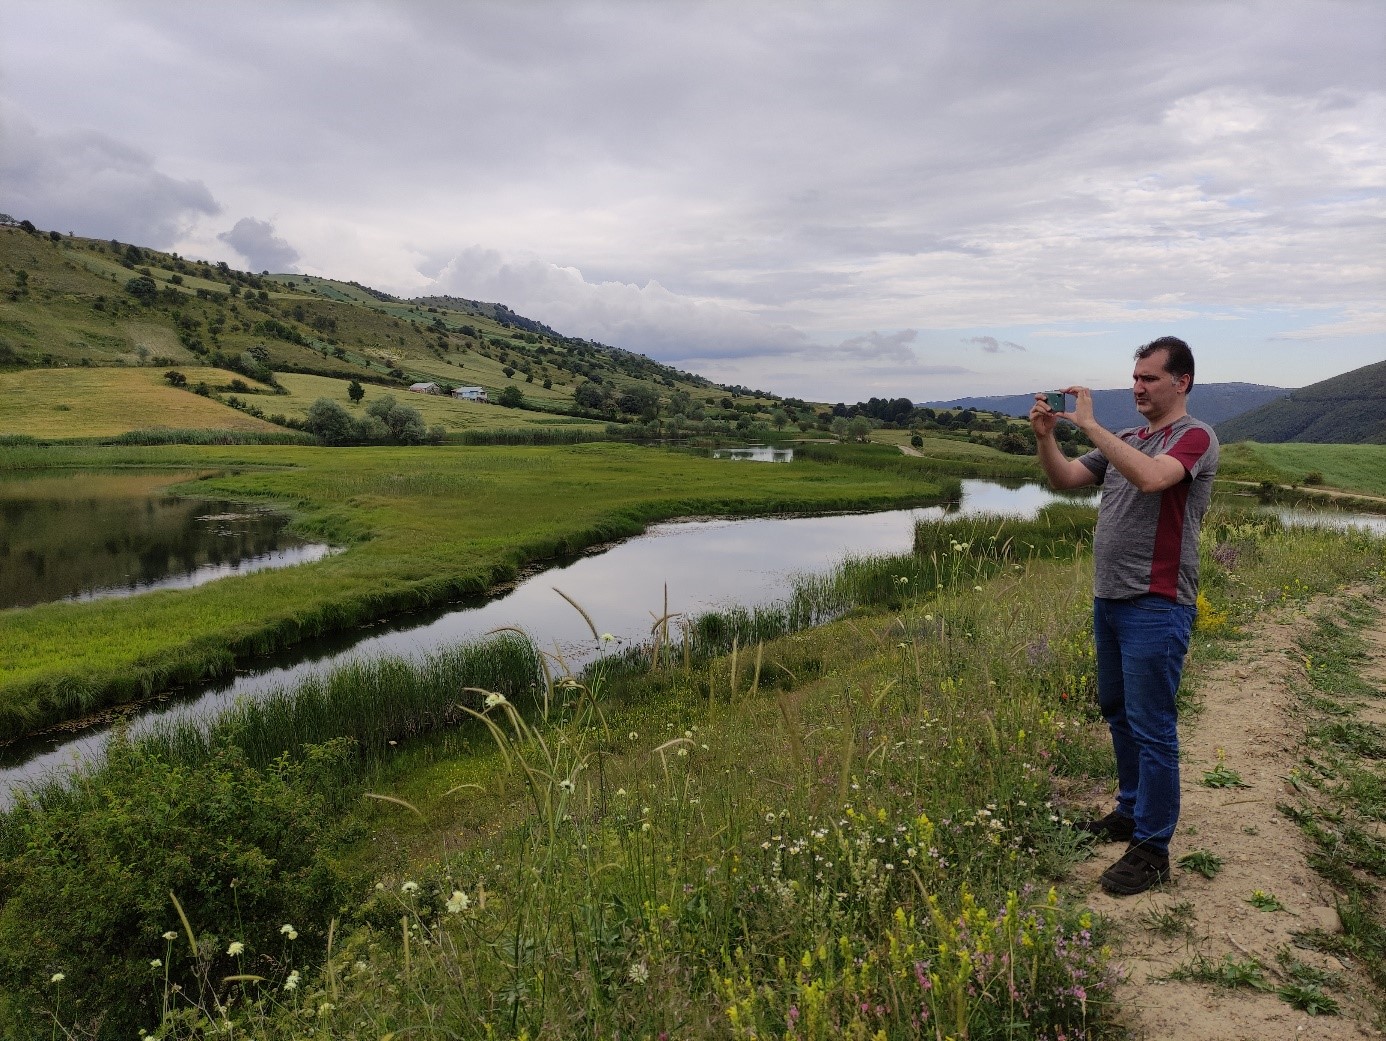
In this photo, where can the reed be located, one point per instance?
(861, 844)
(374, 703)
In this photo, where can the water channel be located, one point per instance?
(699, 565)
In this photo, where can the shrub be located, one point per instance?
(87, 873)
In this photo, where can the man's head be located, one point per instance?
(1178, 361)
(1162, 379)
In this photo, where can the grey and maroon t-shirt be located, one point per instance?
(1147, 542)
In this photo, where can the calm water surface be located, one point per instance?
(86, 536)
(704, 564)
(700, 565)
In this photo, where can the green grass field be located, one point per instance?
(437, 409)
(101, 402)
(857, 829)
(422, 526)
(1349, 468)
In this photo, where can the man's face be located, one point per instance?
(1156, 391)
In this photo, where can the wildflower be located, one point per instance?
(977, 589)
(633, 735)
(289, 931)
(639, 973)
(156, 963)
(608, 638)
(58, 977)
(292, 982)
(409, 887)
(458, 902)
(904, 580)
(621, 791)
(567, 784)
(171, 935)
(492, 700)
(235, 949)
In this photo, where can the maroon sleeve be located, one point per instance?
(1189, 449)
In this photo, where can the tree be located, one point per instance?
(176, 378)
(404, 423)
(859, 428)
(329, 421)
(839, 426)
(511, 397)
(142, 288)
(356, 392)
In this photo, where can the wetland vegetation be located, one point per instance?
(809, 832)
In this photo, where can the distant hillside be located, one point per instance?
(67, 301)
(1347, 410)
(1213, 403)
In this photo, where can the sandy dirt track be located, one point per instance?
(1251, 713)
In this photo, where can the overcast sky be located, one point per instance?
(832, 200)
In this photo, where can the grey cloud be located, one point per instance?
(256, 241)
(881, 346)
(649, 318)
(91, 183)
(710, 181)
(992, 345)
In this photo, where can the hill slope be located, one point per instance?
(68, 301)
(1213, 403)
(1348, 409)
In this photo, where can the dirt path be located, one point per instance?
(1251, 715)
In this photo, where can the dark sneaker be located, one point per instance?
(1137, 870)
(1115, 827)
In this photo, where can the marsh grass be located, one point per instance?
(846, 830)
(415, 537)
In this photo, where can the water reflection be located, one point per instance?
(90, 536)
(756, 454)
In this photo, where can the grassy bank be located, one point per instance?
(849, 830)
(422, 527)
(1349, 468)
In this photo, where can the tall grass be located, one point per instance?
(864, 847)
(529, 436)
(211, 437)
(375, 703)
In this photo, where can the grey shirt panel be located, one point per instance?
(1148, 542)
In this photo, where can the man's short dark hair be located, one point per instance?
(1178, 358)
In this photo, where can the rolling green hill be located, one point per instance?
(1349, 409)
(71, 302)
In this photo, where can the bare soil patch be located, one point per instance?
(1250, 720)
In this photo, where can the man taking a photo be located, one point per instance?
(1156, 483)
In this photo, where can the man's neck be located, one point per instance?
(1154, 423)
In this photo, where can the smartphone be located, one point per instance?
(1056, 400)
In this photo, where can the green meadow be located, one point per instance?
(103, 402)
(420, 527)
(845, 830)
(436, 409)
(1349, 468)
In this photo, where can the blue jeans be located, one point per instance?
(1141, 645)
